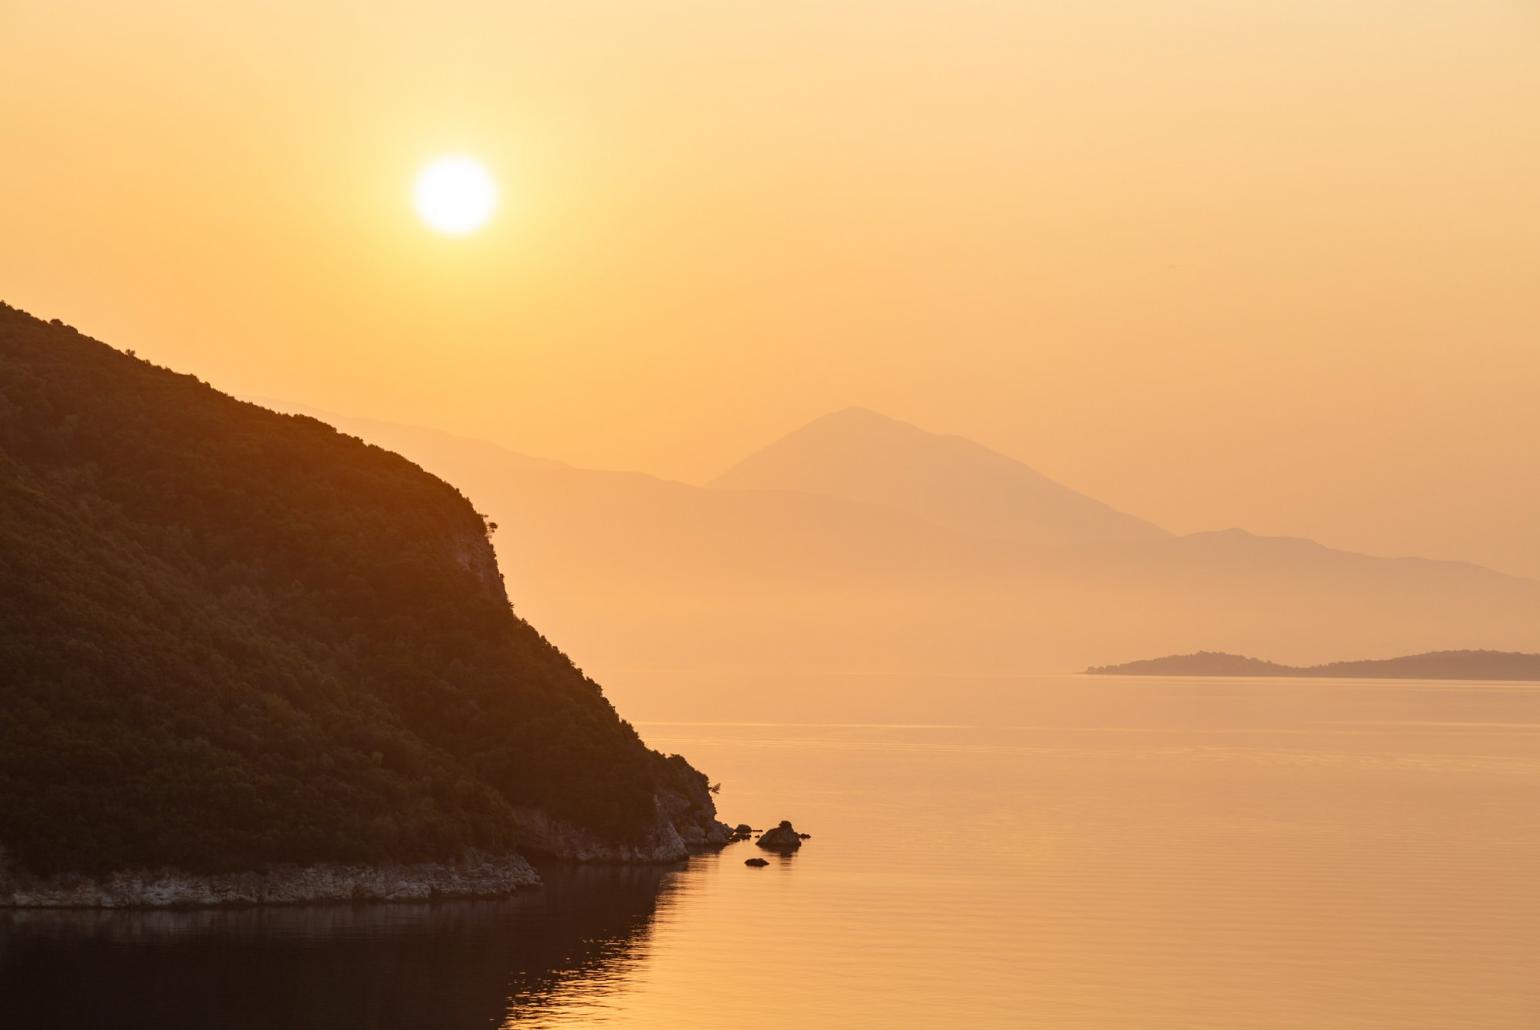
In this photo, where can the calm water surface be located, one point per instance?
(1059, 852)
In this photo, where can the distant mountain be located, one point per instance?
(1441, 665)
(674, 594)
(233, 640)
(956, 483)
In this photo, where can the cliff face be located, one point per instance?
(684, 818)
(235, 642)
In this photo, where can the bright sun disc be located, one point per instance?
(455, 195)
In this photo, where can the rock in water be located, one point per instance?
(756, 861)
(782, 838)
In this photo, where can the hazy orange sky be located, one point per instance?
(1269, 264)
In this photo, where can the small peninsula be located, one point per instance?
(1432, 665)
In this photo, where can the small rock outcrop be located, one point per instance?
(756, 862)
(688, 802)
(782, 838)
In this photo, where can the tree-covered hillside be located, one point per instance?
(231, 638)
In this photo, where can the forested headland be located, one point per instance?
(231, 638)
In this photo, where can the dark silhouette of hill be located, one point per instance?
(1440, 665)
(231, 638)
(861, 455)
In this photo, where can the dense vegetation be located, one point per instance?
(230, 638)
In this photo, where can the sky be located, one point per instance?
(1262, 264)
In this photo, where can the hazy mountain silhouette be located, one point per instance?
(670, 591)
(861, 455)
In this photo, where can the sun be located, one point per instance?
(455, 195)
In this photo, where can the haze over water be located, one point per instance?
(1089, 852)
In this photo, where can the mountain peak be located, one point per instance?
(858, 419)
(863, 455)
(856, 412)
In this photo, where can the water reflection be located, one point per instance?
(444, 965)
(1173, 856)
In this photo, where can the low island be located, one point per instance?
(1432, 665)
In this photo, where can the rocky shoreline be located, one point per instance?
(474, 875)
(684, 824)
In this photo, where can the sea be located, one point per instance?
(1040, 852)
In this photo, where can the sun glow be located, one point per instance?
(455, 195)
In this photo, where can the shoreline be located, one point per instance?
(473, 876)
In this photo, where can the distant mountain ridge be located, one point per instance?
(1443, 665)
(672, 590)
